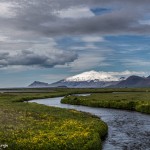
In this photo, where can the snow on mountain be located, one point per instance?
(92, 76)
(94, 79)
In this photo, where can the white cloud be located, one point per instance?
(133, 62)
(92, 39)
(144, 22)
(87, 61)
(86, 47)
(40, 45)
(127, 73)
(40, 55)
(6, 9)
(3, 38)
(75, 12)
(48, 46)
(16, 69)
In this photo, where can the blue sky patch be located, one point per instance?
(99, 11)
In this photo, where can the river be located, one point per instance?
(128, 130)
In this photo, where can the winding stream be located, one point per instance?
(128, 130)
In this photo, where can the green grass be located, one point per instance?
(30, 126)
(138, 101)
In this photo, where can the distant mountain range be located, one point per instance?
(39, 84)
(134, 81)
(93, 79)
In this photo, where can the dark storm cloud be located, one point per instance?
(28, 58)
(30, 20)
(38, 17)
(125, 20)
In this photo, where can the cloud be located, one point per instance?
(57, 18)
(86, 62)
(30, 26)
(86, 47)
(92, 39)
(144, 22)
(6, 10)
(75, 13)
(127, 73)
(31, 29)
(41, 52)
(29, 58)
(135, 62)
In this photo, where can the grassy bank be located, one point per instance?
(30, 126)
(138, 101)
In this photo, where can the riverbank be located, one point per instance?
(33, 126)
(127, 129)
(137, 101)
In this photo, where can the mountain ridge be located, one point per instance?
(38, 84)
(90, 79)
(93, 79)
(92, 75)
(134, 81)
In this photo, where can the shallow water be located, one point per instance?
(128, 130)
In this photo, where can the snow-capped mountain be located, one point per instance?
(93, 79)
(90, 79)
(92, 76)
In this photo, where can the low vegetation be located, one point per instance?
(138, 101)
(30, 126)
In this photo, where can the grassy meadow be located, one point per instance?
(30, 126)
(133, 100)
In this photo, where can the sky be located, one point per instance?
(49, 40)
